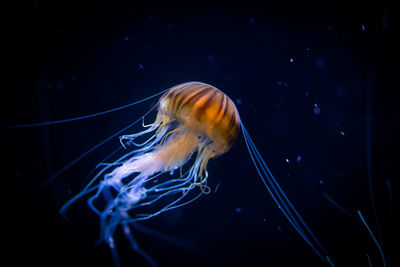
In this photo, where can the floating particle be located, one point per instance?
(298, 159)
(279, 83)
(279, 228)
(285, 84)
(291, 60)
(363, 28)
(140, 66)
(73, 77)
(321, 182)
(316, 110)
(239, 101)
(210, 57)
(307, 93)
(330, 28)
(287, 160)
(126, 38)
(308, 50)
(238, 210)
(342, 133)
(252, 20)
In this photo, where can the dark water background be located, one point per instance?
(306, 79)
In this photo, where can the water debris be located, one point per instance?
(316, 109)
(363, 28)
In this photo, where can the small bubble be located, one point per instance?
(321, 182)
(279, 83)
(126, 38)
(316, 110)
(140, 66)
(238, 210)
(307, 93)
(239, 101)
(287, 160)
(291, 60)
(298, 158)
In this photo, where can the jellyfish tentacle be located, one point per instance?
(282, 201)
(83, 155)
(135, 246)
(40, 124)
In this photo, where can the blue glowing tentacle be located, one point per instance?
(87, 189)
(114, 252)
(29, 125)
(73, 162)
(94, 197)
(131, 137)
(135, 246)
(278, 195)
(169, 206)
(272, 179)
(282, 205)
(337, 205)
(373, 238)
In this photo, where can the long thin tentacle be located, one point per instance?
(30, 125)
(282, 201)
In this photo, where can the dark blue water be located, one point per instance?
(313, 85)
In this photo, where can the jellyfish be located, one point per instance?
(195, 122)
